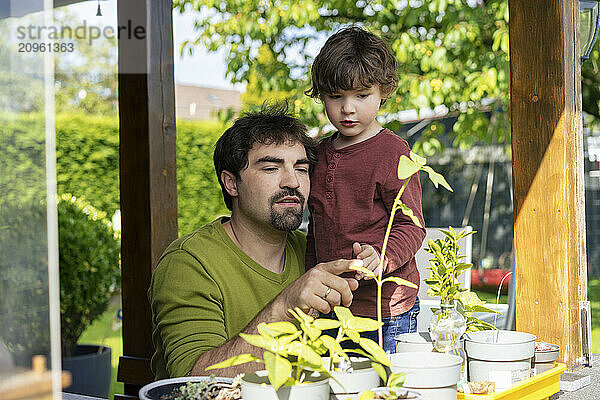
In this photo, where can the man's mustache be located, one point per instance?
(285, 193)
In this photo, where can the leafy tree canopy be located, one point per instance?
(453, 55)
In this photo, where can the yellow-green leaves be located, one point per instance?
(233, 361)
(400, 282)
(407, 168)
(436, 179)
(364, 270)
(279, 369)
(367, 395)
(375, 350)
(409, 213)
(325, 324)
(277, 328)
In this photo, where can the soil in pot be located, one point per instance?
(205, 387)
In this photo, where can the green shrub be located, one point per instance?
(24, 319)
(199, 194)
(87, 157)
(89, 267)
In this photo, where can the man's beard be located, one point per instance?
(286, 220)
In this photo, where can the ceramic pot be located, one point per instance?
(403, 393)
(499, 356)
(434, 375)
(544, 359)
(255, 386)
(348, 385)
(91, 370)
(160, 389)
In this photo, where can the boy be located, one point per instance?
(355, 180)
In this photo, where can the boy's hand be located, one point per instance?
(370, 258)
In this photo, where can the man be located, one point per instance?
(232, 274)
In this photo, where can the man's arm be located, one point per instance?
(306, 292)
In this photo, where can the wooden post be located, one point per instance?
(147, 168)
(547, 146)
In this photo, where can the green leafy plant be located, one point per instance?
(89, 267)
(407, 167)
(349, 328)
(446, 266)
(394, 383)
(291, 352)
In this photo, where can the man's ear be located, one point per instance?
(230, 183)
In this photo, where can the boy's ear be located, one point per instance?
(229, 182)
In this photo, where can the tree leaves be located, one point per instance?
(446, 49)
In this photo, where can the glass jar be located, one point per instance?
(446, 327)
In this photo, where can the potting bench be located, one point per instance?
(547, 173)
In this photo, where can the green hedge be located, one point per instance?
(87, 152)
(89, 254)
(199, 194)
(89, 273)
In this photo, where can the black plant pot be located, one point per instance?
(90, 370)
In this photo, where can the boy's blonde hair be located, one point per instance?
(352, 58)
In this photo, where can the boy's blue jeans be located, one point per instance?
(392, 326)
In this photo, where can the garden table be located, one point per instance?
(589, 392)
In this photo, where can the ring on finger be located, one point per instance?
(327, 293)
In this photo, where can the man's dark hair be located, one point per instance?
(273, 124)
(353, 58)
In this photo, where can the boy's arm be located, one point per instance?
(405, 238)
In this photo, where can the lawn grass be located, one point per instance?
(102, 332)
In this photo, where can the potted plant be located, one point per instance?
(292, 356)
(407, 167)
(192, 388)
(292, 360)
(352, 375)
(89, 271)
(393, 390)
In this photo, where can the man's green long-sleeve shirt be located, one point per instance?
(205, 291)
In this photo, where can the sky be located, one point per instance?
(203, 68)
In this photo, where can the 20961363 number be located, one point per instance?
(36, 47)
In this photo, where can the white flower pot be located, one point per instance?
(417, 341)
(348, 385)
(544, 359)
(408, 394)
(256, 386)
(434, 375)
(503, 357)
(156, 390)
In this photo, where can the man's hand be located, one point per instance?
(321, 288)
(370, 258)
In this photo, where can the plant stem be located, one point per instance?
(382, 258)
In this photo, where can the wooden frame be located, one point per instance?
(547, 170)
(147, 171)
(547, 144)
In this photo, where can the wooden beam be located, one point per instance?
(147, 160)
(547, 147)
